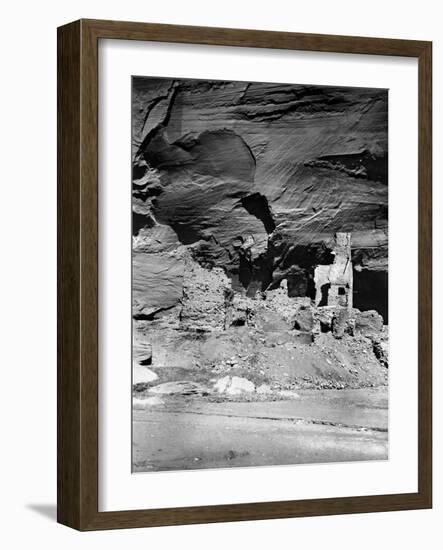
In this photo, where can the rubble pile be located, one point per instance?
(212, 335)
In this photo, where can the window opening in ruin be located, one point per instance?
(324, 294)
(324, 327)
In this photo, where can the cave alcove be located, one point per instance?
(370, 291)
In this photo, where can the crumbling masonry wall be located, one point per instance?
(333, 283)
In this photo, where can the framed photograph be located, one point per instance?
(244, 275)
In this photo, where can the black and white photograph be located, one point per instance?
(259, 274)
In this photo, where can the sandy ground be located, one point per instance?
(318, 426)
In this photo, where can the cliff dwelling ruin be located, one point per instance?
(333, 283)
(259, 273)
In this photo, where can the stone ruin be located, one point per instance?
(333, 283)
(209, 305)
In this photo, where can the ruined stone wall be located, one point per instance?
(334, 282)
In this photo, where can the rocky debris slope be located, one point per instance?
(213, 336)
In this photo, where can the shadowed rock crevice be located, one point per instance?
(363, 164)
(164, 120)
(139, 221)
(169, 96)
(150, 316)
(371, 291)
(257, 205)
(256, 275)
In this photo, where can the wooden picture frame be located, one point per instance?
(77, 456)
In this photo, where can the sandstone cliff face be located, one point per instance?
(256, 179)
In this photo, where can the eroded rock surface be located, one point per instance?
(157, 283)
(204, 298)
(259, 177)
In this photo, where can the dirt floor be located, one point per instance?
(178, 432)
